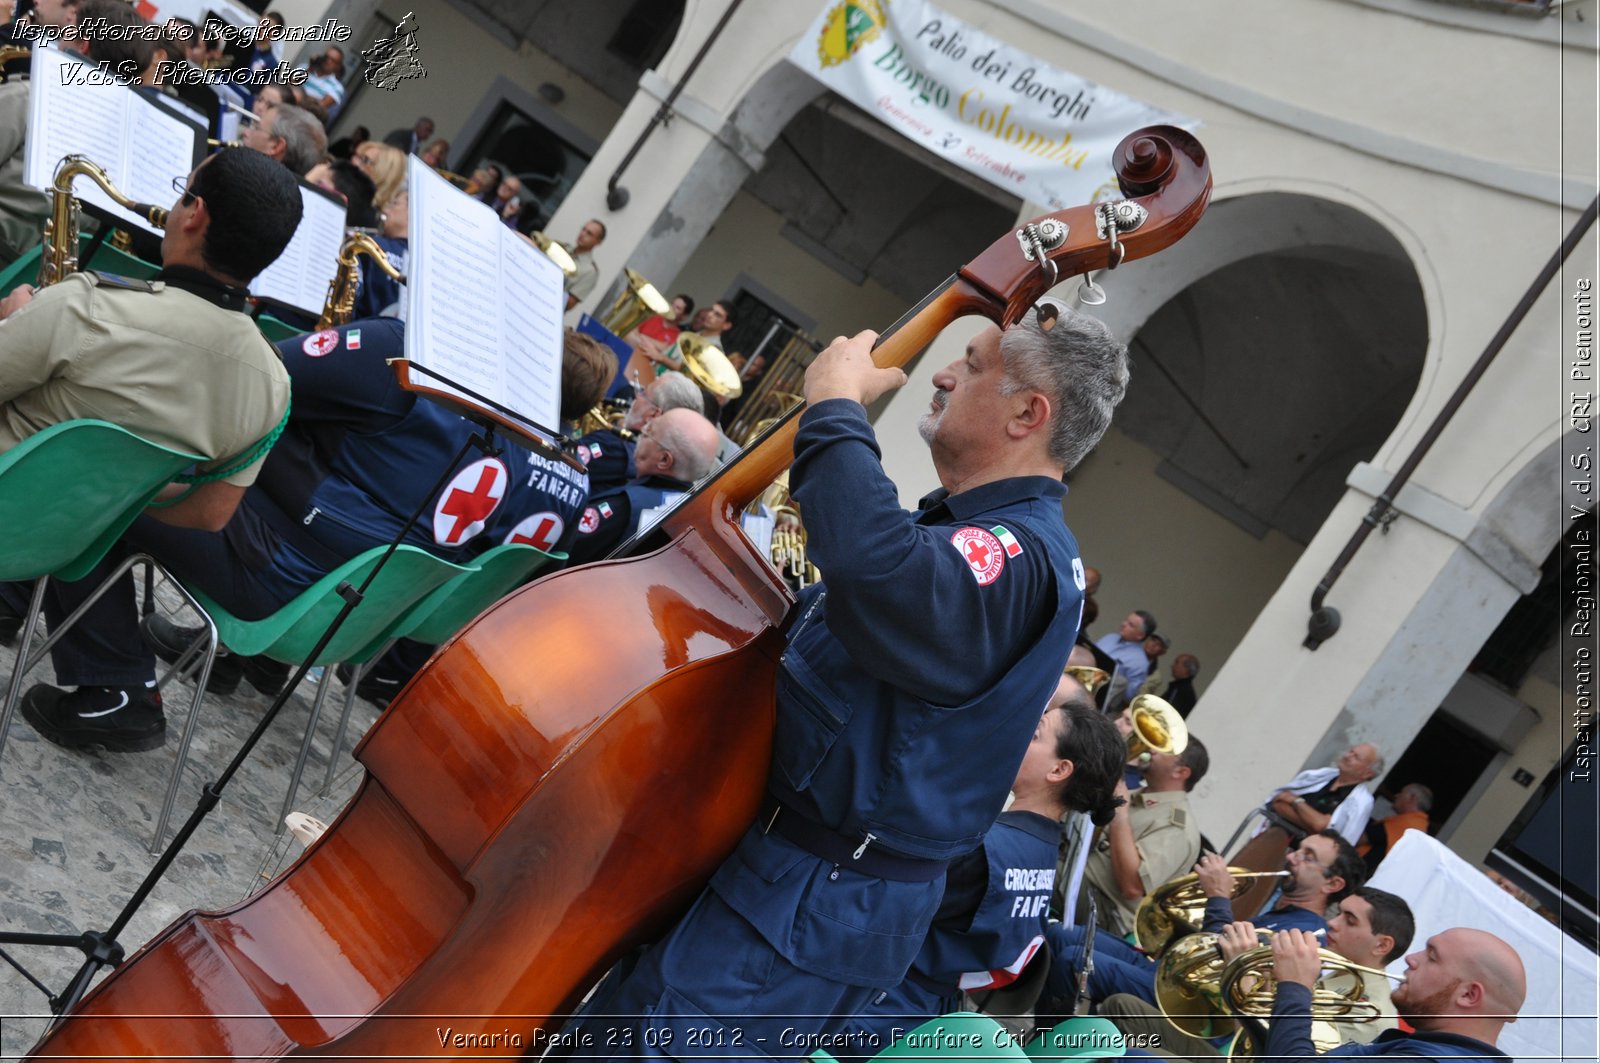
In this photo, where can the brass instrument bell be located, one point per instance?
(555, 253)
(1091, 678)
(708, 366)
(636, 303)
(1247, 987)
(1177, 908)
(1157, 727)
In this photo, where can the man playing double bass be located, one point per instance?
(906, 697)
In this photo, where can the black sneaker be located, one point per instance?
(378, 690)
(168, 640)
(264, 673)
(10, 625)
(122, 719)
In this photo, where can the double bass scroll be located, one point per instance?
(556, 785)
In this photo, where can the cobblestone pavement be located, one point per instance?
(75, 828)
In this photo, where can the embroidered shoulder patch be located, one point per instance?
(982, 551)
(320, 344)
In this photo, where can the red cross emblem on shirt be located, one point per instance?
(469, 500)
(542, 530)
(321, 343)
(982, 552)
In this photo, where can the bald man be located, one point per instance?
(1460, 990)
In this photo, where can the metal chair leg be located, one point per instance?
(210, 639)
(20, 669)
(357, 671)
(305, 751)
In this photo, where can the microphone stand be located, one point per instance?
(100, 947)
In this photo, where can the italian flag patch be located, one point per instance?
(352, 340)
(1007, 540)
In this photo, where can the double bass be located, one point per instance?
(559, 781)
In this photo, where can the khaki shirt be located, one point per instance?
(165, 364)
(583, 281)
(1168, 840)
(23, 208)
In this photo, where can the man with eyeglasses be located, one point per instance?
(675, 449)
(175, 360)
(608, 453)
(1322, 872)
(289, 135)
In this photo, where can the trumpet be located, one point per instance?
(1177, 908)
(212, 142)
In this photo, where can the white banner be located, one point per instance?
(995, 111)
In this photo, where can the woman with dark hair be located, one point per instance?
(991, 921)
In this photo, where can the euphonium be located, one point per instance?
(1178, 908)
(1157, 727)
(59, 255)
(708, 366)
(340, 305)
(1247, 987)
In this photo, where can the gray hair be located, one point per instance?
(674, 391)
(1423, 795)
(1078, 365)
(304, 142)
(690, 461)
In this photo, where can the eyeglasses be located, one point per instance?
(1307, 856)
(181, 186)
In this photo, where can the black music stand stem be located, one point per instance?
(101, 948)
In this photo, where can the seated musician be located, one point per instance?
(991, 920)
(608, 453)
(207, 383)
(1321, 872)
(1459, 993)
(359, 456)
(1371, 928)
(1323, 798)
(1153, 838)
(675, 449)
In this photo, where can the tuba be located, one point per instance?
(1177, 908)
(340, 305)
(636, 303)
(59, 255)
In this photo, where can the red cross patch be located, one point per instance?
(589, 522)
(542, 530)
(320, 344)
(469, 500)
(982, 552)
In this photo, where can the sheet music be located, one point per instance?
(483, 308)
(140, 145)
(299, 277)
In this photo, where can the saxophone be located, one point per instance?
(59, 254)
(340, 305)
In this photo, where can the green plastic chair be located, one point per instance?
(959, 1035)
(290, 634)
(1083, 1037)
(275, 330)
(66, 495)
(444, 612)
(107, 259)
